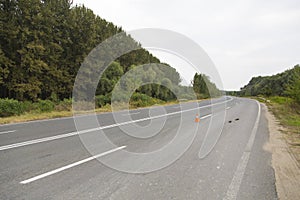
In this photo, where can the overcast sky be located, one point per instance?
(243, 38)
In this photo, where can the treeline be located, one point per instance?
(44, 42)
(43, 45)
(204, 88)
(286, 84)
(159, 81)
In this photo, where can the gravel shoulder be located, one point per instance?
(285, 164)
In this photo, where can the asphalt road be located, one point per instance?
(150, 153)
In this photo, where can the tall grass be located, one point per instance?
(286, 110)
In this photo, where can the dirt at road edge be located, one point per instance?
(287, 171)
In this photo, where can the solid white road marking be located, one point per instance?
(4, 132)
(70, 166)
(46, 139)
(235, 184)
(228, 108)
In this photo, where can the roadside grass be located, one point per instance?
(285, 110)
(34, 115)
(287, 113)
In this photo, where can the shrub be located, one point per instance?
(142, 100)
(10, 107)
(139, 96)
(102, 100)
(65, 105)
(202, 96)
(28, 106)
(45, 106)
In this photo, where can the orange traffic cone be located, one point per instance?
(197, 119)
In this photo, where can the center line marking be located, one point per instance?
(4, 132)
(206, 116)
(51, 138)
(70, 166)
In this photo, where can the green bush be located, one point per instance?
(10, 107)
(28, 106)
(65, 105)
(202, 96)
(139, 96)
(45, 106)
(142, 100)
(102, 100)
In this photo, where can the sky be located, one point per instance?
(244, 38)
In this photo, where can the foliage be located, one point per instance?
(286, 110)
(204, 88)
(10, 107)
(280, 100)
(102, 100)
(293, 89)
(43, 44)
(64, 105)
(45, 105)
(283, 84)
(142, 100)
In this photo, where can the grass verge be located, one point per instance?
(31, 116)
(287, 112)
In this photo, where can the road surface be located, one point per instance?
(50, 159)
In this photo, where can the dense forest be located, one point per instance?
(44, 43)
(286, 83)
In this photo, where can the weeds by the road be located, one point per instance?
(287, 113)
(65, 110)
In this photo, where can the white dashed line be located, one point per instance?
(70, 166)
(206, 116)
(4, 132)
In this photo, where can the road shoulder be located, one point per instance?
(287, 172)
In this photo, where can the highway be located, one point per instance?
(149, 153)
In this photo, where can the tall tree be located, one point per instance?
(44, 42)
